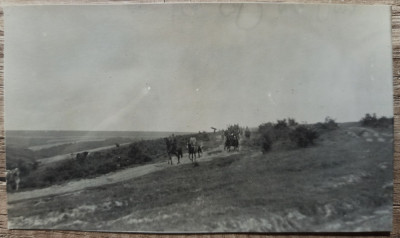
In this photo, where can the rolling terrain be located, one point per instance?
(342, 183)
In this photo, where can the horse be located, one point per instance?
(231, 141)
(12, 178)
(199, 151)
(172, 149)
(192, 151)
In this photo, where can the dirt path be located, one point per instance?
(111, 178)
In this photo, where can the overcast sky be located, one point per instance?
(187, 67)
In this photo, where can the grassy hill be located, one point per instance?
(343, 182)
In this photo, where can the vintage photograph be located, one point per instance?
(186, 118)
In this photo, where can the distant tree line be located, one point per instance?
(373, 121)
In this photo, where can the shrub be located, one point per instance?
(247, 133)
(134, 151)
(292, 122)
(266, 143)
(136, 154)
(369, 120)
(280, 130)
(24, 167)
(265, 128)
(329, 124)
(385, 122)
(303, 136)
(281, 124)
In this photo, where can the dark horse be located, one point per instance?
(173, 149)
(193, 149)
(231, 141)
(199, 151)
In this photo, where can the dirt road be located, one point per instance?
(111, 178)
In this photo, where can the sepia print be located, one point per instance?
(199, 117)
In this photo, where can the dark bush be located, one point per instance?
(292, 122)
(35, 165)
(137, 155)
(276, 131)
(134, 151)
(385, 122)
(24, 167)
(281, 124)
(303, 136)
(265, 127)
(266, 143)
(247, 133)
(280, 131)
(329, 124)
(50, 178)
(369, 120)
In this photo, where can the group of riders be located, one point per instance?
(195, 148)
(231, 140)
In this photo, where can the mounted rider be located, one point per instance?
(174, 142)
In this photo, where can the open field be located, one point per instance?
(343, 182)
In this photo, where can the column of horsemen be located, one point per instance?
(193, 146)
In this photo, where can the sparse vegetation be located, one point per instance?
(284, 134)
(94, 165)
(224, 182)
(289, 130)
(91, 165)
